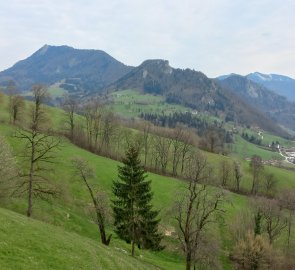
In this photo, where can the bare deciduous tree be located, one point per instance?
(162, 149)
(70, 107)
(146, 129)
(109, 128)
(93, 115)
(178, 135)
(39, 151)
(195, 210)
(287, 200)
(270, 184)
(187, 143)
(16, 103)
(8, 169)
(274, 219)
(16, 106)
(225, 172)
(256, 167)
(85, 172)
(237, 174)
(240, 225)
(211, 142)
(127, 137)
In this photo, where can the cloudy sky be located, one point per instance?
(213, 36)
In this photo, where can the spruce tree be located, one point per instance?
(135, 221)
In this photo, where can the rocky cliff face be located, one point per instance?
(274, 105)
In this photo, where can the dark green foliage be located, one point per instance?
(193, 89)
(153, 87)
(135, 221)
(257, 223)
(202, 126)
(251, 138)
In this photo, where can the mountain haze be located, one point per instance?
(280, 84)
(88, 73)
(275, 106)
(192, 89)
(75, 70)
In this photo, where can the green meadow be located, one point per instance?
(62, 234)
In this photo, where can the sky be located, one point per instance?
(214, 36)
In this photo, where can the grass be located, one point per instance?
(245, 149)
(31, 244)
(53, 91)
(131, 103)
(68, 211)
(56, 92)
(267, 139)
(73, 236)
(74, 201)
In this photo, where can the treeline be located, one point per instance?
(251, 138)
(165, 150)
(214, 136)
(100, 131)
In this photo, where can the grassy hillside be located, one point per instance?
(245, 149)
(73, 232)
(131, 103)
(69, 211)
(31, 244)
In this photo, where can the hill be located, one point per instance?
(192, 89)
(74, 70)
(282, 85)
(84, 73)
(275, 106)
(31, 244)
(72, 242)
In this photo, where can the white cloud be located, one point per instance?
(216, 37)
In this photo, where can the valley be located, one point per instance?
(188, 130)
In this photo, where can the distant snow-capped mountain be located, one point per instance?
(280, 84)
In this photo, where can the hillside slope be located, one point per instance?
(70, 213)
(192, 89)
(31, 244)
(276, 106)
(84, 73)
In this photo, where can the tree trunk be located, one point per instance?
(99, 217)
(175, 163)
(253, 191)
(132, 248)
(182, 161)
(188, 261)
(103, 237)
(30, 202)
(145, 151)
(30, 191)
(289, 228)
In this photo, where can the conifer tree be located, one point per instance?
(135, 221)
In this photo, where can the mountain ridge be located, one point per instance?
(87, 73)
(274, 105)
(280, 84)
(77, 69)
(192, 89)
